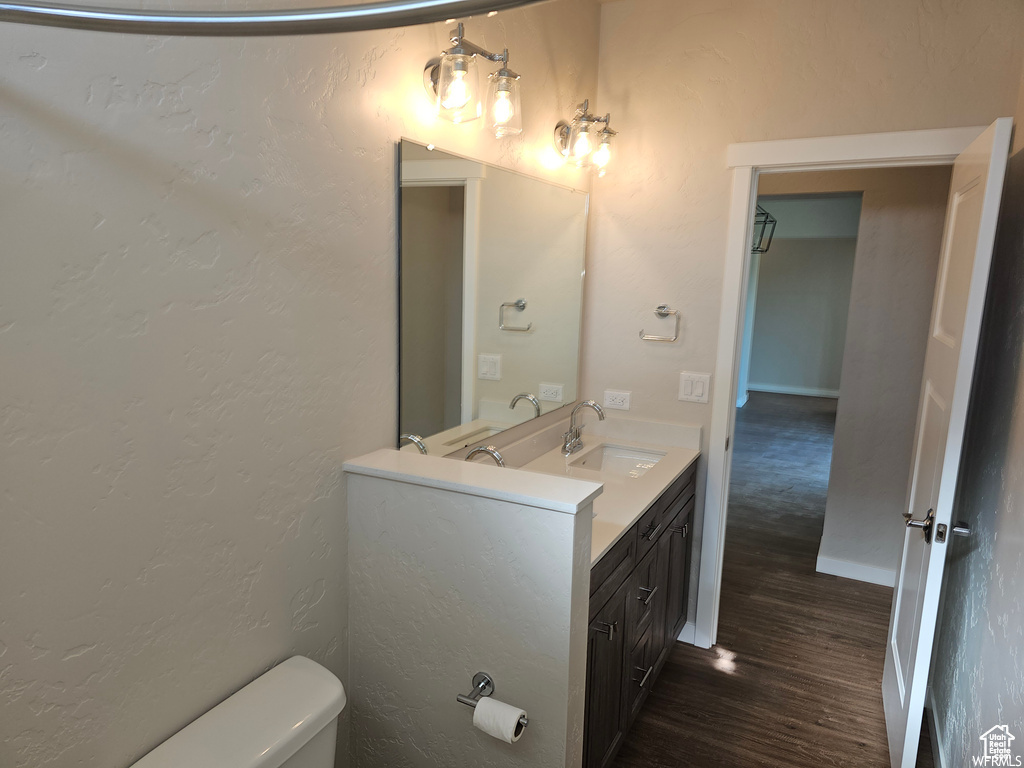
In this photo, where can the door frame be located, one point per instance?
(468, 174)
(748, 161)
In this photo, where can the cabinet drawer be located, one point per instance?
(654, 521)
(612, 570)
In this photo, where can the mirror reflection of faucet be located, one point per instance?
(526, 396)
(415, 440)
(490, 450)
(572, 440)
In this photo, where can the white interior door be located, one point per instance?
(967, 243)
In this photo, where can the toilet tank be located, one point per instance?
(286, 718)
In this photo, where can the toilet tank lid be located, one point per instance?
(260, 726)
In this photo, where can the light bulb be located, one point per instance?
(502, 110)
(582, 146)
(457, 94)
(602, 155)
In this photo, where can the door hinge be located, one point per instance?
(727, 441)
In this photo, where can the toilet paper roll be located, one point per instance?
(498, 719)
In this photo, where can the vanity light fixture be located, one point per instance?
(586, 139)
(452, 80)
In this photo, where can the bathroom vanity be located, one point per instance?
(638, 600)
(639, 577)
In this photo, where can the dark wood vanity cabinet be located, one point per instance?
(638, 599)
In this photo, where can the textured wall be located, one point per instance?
(197, 326)
(532, 246)
(978, 676)
(507, 595)
(684, 78)
(803, 294)
(897, 255)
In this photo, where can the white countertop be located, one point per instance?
(624, 499)
(561, 494)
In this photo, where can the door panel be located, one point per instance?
(968, 239)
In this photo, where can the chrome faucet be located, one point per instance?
(490, 450)
(526, 396)
(415, 440)
(572, 440)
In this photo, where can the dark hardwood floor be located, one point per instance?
(795, 678)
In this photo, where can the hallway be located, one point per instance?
(795, 678)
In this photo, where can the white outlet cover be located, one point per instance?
(551, 393)
(694, 387)
(488, 367)
(616, 399)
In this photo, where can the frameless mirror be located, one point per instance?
(491, 282)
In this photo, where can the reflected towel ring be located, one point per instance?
(519, 304)
(662, 310)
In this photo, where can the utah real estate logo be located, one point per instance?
(998, 748)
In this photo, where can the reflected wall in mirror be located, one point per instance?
(483, 247)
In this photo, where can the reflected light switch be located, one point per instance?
(488, 367)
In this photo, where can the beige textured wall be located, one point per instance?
(197, 326)
(977, 682)
(891, 294)
(683, 79)
(803, 294)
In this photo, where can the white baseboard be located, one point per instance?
(688, 633)
(935, 731)
(856, 571)
(780, 389)
(742, 398)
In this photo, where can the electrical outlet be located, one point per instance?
(551, 393)
(488, 367)
(616, 400)
(694, 387)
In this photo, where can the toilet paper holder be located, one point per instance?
(483, 685)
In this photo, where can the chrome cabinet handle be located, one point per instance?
(650, 596)
(651, 534)
(608, 629)
(646, 674)
(680, 529)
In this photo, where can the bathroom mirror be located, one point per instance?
(490, 300)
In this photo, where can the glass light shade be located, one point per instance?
(504, 115)
(458, 88)
(603, 154)
(581, 143)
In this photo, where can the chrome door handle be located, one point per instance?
(679, 529)
(608, 629)
(646, 673)
(651, 534)
(650, 595)
(925, 525)
(961, 529)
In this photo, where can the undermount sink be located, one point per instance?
(618, 461)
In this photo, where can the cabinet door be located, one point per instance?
(639, 673)
(678, 537)
(603, 731)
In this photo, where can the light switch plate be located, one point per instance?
(616, 399)
(551, 393)
(694, 387)
(488, 367)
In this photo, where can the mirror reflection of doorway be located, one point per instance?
(433, 221)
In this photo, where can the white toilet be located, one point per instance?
(286, 718)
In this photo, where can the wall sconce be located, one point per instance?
(586, 139)
(452, 80)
